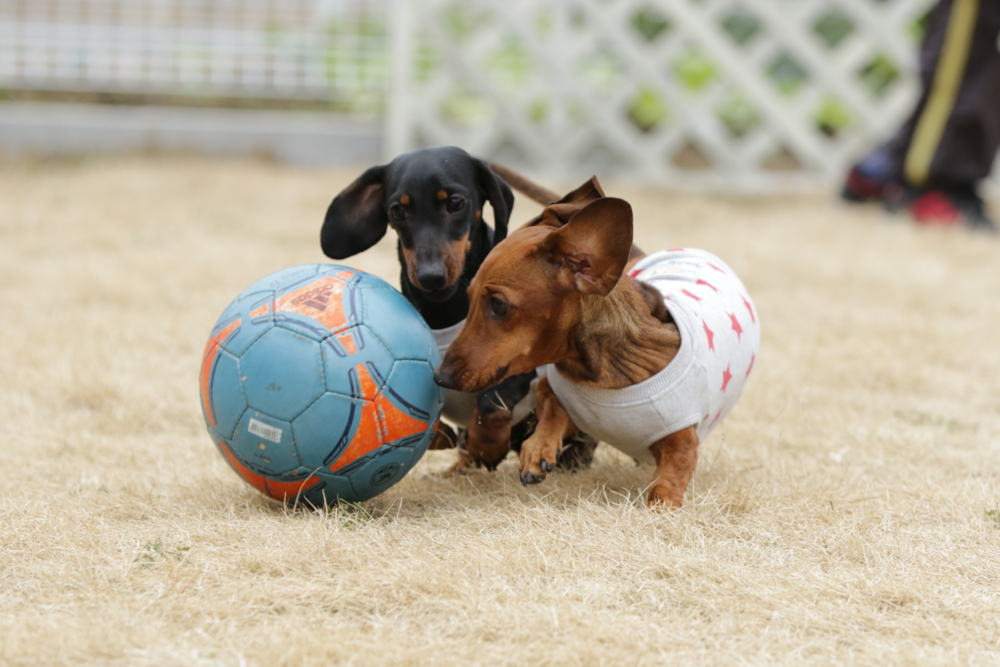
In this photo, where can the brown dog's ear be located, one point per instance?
(558, 213)
(356, 219)
(593, 247)
(587, 192)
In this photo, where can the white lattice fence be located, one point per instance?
(752, 95)
(726, 94)
(320, 50)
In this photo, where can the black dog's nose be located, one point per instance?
(432, 278)
(444, 378)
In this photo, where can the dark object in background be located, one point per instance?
(931, 167)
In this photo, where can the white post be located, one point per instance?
(401, 55)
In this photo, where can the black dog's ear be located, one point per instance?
(500, 196)
(357, 218)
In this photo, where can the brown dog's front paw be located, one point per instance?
(663, 497)
(537, 459)
(530, 478)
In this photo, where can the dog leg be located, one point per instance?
(577, 449)
(521, 431)
(577, 452)
(489, 432)
(540, 452)
(444, 437)
(464, 463)
(488, 437)
(676, 456)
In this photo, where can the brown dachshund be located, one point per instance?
(649, 362)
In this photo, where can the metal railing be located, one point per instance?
(328, 52)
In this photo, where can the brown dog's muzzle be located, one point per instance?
(459, 379)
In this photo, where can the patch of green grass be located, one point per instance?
(918, 418)
(695, 70)
(833, 27)
(742, 26)
(787, 74)
(832, 116)
(648, 109)
(879, 74)
(738, 114)
(352, 516)
(511, 64)
(158, 550)
(650, 23)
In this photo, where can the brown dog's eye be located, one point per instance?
(499, 308)
(454, 204)
(397, 212)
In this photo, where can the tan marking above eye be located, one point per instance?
(442, 195)
(405, 200)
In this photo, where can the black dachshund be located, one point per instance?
(434, 198)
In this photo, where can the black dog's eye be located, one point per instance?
(499, 308)
(454, 204)
(397, 212)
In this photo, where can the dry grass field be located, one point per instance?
(846, 513)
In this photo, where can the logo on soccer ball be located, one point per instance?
(317, 298)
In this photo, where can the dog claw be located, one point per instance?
(529, 478)
(546, 467)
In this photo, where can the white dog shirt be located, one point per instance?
(720, 340)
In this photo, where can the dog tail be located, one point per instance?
(526, 187)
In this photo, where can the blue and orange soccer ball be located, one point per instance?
(317, 385)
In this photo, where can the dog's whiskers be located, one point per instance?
(500, 403)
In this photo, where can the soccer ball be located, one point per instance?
(317, 385)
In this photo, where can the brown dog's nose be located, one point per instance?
(444, 378)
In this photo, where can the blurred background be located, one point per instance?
(747, 96)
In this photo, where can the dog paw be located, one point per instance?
(488, 438)
(577, 452)
(463, 465)
(537, 459)
(444, 438)
(529, 478)
(663, 498)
